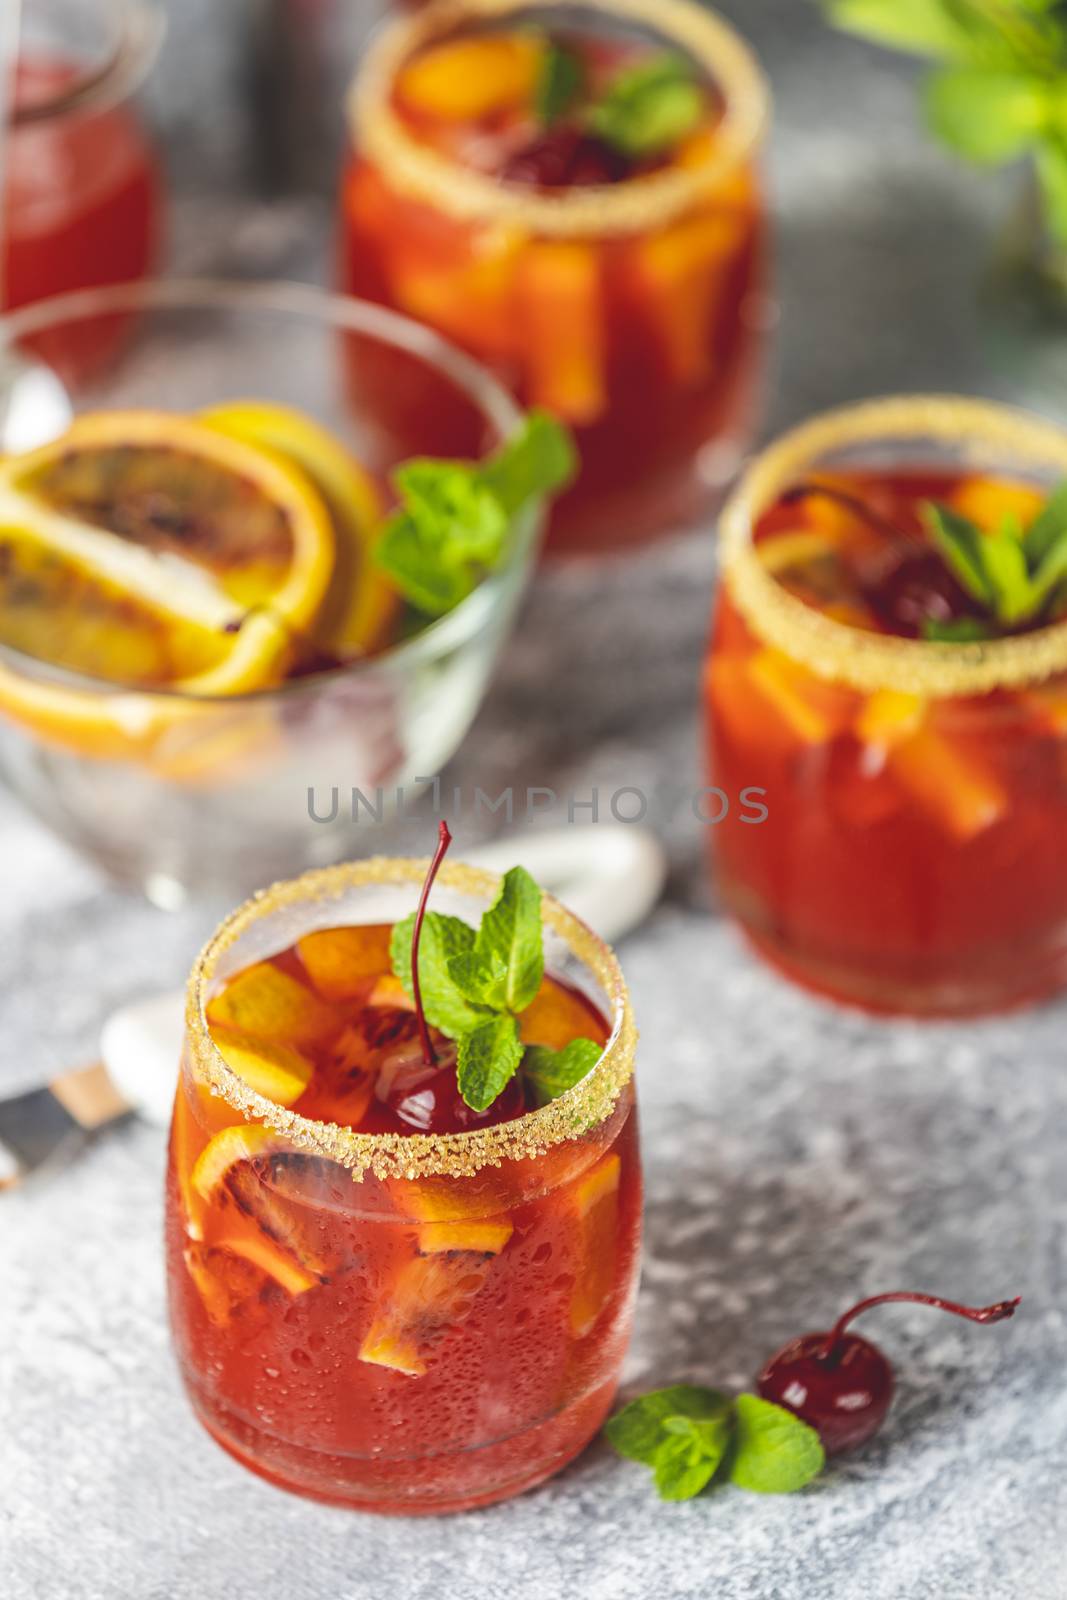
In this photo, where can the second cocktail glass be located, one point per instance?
(624, 296)
(911, 858)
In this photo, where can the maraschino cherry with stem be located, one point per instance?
(842, 1385)
(423, 1093)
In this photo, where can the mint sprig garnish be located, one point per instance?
(999, 92)
(559, 83)
(648, 108)
(475, 983)
(1010, 571)
(455, 517)
(550, 1073)
(685, 1433)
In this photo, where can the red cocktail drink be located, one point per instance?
(912, 745)
(380, 1296)
(606, 262)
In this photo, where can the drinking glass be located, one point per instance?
(916, 792)
(498, 1265)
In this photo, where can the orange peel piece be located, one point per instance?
(267, 1003)
(279, 1071)
(596, 1204)
(339, 961)
(465, 80)
(559, 303)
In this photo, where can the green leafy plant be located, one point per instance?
(1000, 91)
(456, 517)
(475, 983)
(686, 1433)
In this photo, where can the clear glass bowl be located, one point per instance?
(181, 795)
(502, 1261)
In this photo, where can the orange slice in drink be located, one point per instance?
(242, 1141)
(433, 1293)
(360, 606)
(947, 783)
(145, 550)
(248, 1218)
(339, 961)
(989, 501)
(270, 1004)
(680, 272)
(807, 706)
(465, 80)
(279, 1071)
(596, 1205)
(560, 308)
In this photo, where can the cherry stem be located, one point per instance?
(851, 502)
(994, 1313)
(444, 839)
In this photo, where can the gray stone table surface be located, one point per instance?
(797, 1156)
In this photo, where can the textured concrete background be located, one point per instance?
(797, 1157)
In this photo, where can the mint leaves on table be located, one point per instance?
(1012, 572)
(474, 985)
(649, 107)
(455, 517)
(686, 1433)
(1000, 91)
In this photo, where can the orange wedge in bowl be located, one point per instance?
(360, 606)
(147, 551)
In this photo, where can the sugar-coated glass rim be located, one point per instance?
(869, 661)
(419, 1155)
(631, 207)
(346, 313)
(141, 27)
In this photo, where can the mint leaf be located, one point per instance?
(774, 1452)
(1047, 529)
(559, 84)
(487, 1059)
(451, 505)
(510, 944)
(1050, 574)
(988, 33)
(538, 460)
(443, 938)
(417, 569)
(455, 517)
(1009, 577)
(956, 630)
(549, 1073)
(640, 1429)
(478, 978)
(988, 116)
(649, 108)
(926, 27)
(683, 1467)
(960, 541)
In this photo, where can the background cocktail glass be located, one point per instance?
(504, 1259)
(635, 311)
(82, 187)
(183, 796)
(912, 855)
